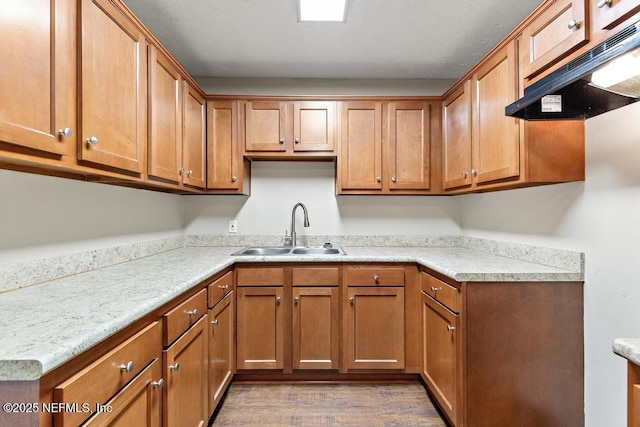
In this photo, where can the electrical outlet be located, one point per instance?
(233, 226)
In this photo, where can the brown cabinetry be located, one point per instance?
(557, 31)
(113, 88)
(456, 137)
(606, 15)
(37, 79)
(633, 395)
(289, 129)
(227, 169)
(194, 138)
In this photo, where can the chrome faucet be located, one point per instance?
(291, 240)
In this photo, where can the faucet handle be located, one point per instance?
(288, 240)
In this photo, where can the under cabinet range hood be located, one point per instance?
(603, 79)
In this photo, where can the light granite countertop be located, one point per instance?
(47, 324)
(629, 348)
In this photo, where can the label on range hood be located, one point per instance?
(551, 104)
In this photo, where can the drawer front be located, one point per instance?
(183, 316)
(316, 276)
(444, 293)
(375, 276)
(106, 376)
(219, 288)
(267, 276)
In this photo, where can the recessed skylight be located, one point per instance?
(322, 10)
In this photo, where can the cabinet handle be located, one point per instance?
(223, 286)
(92, 140)
(192, 312)
(214, 322)
(189, 172)
(234, 179)
(464, 174)
(603, 3)
(128, 368)
(393, 179)
(296, 300)
(474, 172)
(174, 367)
(573, 24)
(281, 140)
(278, 299)
(434, 289)
(181, 171)
(376, 278)
(378, 179)
(65, 132)
(158, 384)
(297, 140)
(351, 300)
(451, 328)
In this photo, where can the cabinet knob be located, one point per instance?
(451, 328)
(174, 367)
(189, 172)
(223, 286)
(393, 179)
(128, 368)
(92, 140)
(378, 179)
(234, 179)
(296, 300)
(158, 384)
(281, 140)
(214, 322)
(65, 132)
(434, 289)
(573, 24)
(278, 300)
(181, 171)
(474, 172)
(603, 3)
(351, 300)
(297, 140)
(376, 278)
(464, 174)
(193, 312)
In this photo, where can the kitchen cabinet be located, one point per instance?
(316, 318)
(113, 88)
(185, 363)
(284, 129)
(501, 359)
(37, 77)
(374, 313)
(606, 15)
(221, 338)
(561, 28)
(260, 316)
(456, 137)
(227, 170)
(633, 395)
(194, 138)
(129, 373)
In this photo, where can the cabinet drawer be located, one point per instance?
(321, 276)
(184, 315)
(444, 293)
(106, 376)
(375, 276)
(219, 288)
(268, 276)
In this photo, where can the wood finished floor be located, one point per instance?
(320, 404)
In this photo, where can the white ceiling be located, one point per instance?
(393, 39)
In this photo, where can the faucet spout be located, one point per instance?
(292, 239)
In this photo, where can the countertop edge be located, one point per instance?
(629, 348)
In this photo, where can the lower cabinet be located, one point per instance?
(221, 349)
(633, 395)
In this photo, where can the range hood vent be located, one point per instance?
(570, 93)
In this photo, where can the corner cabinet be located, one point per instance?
(113, 88)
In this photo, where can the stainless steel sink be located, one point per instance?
(287, 250)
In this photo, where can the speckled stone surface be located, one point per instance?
(44, 325)
(629, 348)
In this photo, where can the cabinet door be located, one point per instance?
(313, 126)
(37, 39)
(221, 345)
(496, 142)
(408, 150)
(439, 355)
(185, 373)
(194, 138)
(138, 404)
(113, 83)
(360, 165)
(633, 396)
(224, 156)
(456, 138)
(315, 328)
(165, 117)
(259, 328)
(555, 33)
(265, 126)
(375, 328)
(606, 14)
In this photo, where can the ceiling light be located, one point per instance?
(322, 10)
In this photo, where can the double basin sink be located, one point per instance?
(288, 250)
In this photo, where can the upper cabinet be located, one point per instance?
(283, 129)
(456, 137)
(37, 76)
(606, 14)
(113, 86)
(194, 137)
(557, 31)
